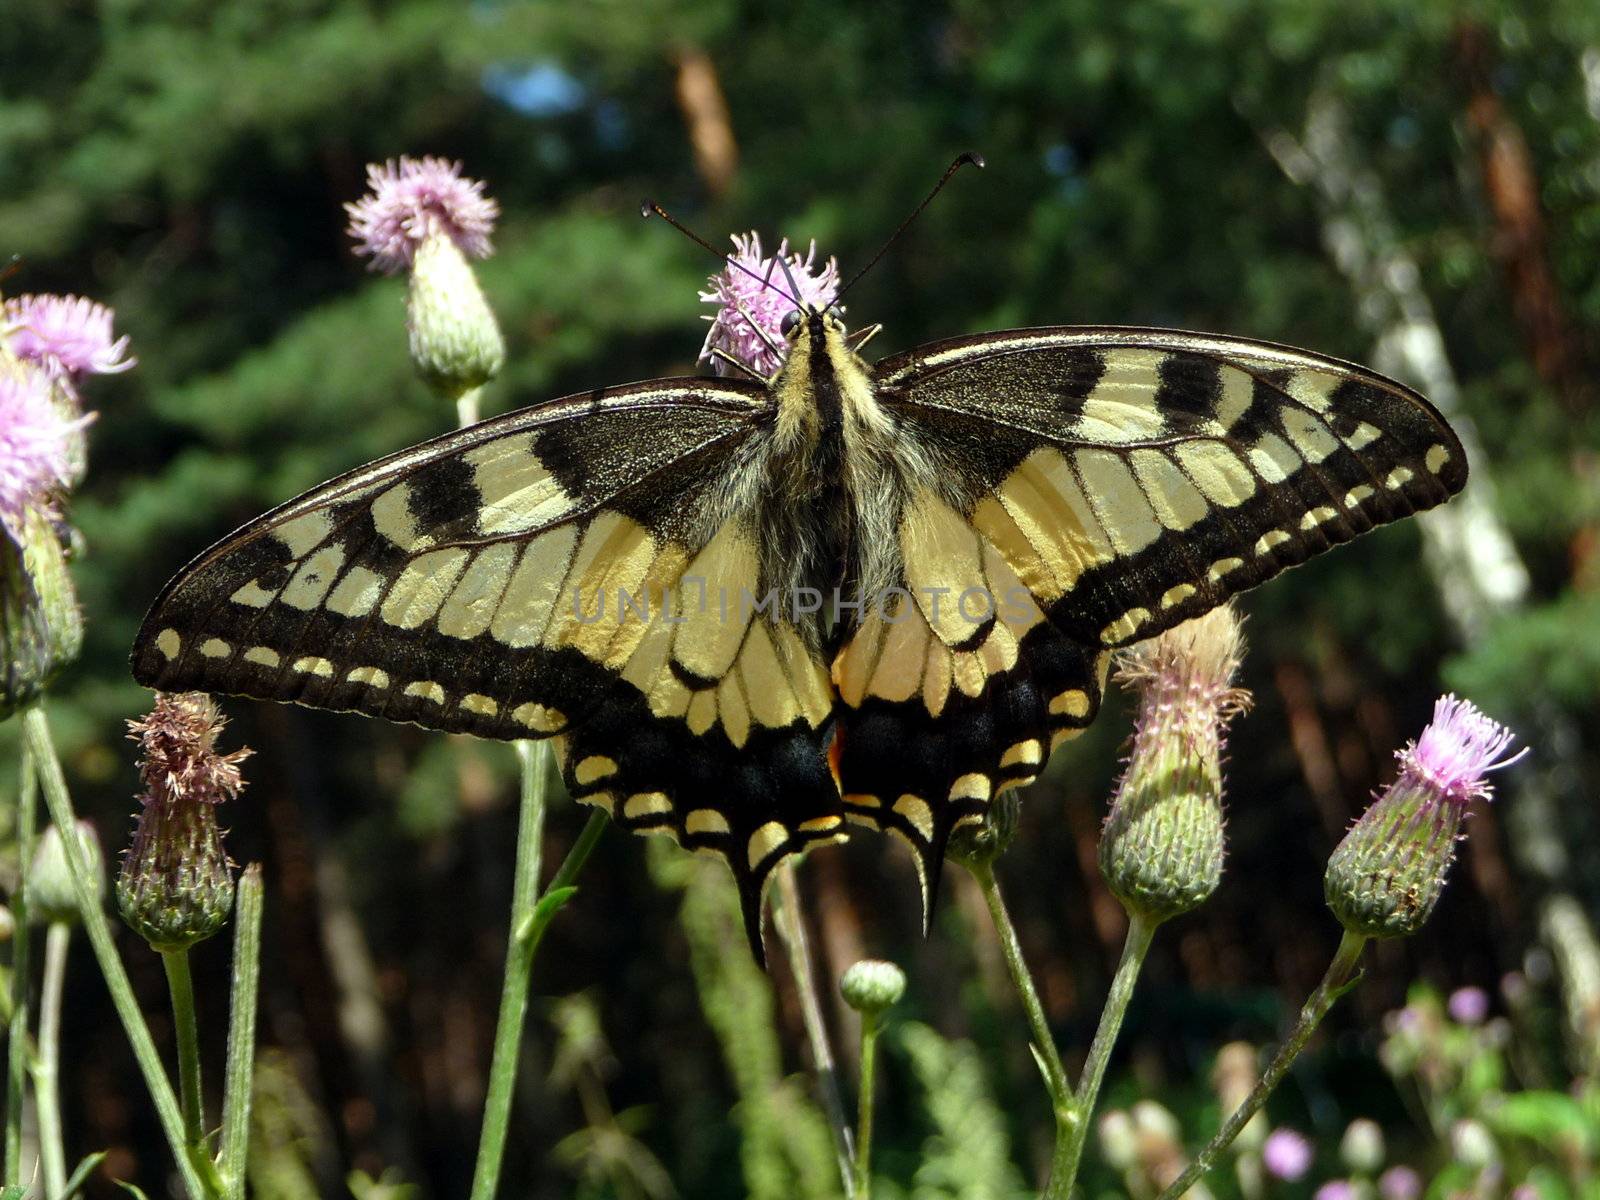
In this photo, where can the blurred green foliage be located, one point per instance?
(186, 163)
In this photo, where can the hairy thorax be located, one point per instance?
(832, 480)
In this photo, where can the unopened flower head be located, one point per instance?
(66, 336)
(176, 884)
(1161, 849)
(456, 343)
(35, 445)
(872, 985)
(51, 897)
(752, 296)
(413, 198)
(1386, 875)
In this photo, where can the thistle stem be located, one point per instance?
(1340, 977)
(239, 1072)
(47, 1065)
(791, 928)
(1044, 1046)
(530, 916)
(1068, 1156)
(186, 1031)
(21, 970)
(870, 1022)
(200, 1183)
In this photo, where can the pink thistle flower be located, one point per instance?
(1286, 1154)
(753, 301)
(66, 336)
(414, 198)
(1400, 1183)
(1458, 748)
(1386, 875)
(1468, 1005)
(35, 446)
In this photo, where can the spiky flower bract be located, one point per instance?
(413, 198)
(176, 885)
(1386, 875)
(752, 296)
(1162, 846)
(65, 336)
(456, 343)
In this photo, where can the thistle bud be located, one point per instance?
(455, 341)
(422, 214)
(50, 894)
(41, 625)
(1161, 849)
(1386, 875)
(976, 846)
(176, 885)
(870, 986)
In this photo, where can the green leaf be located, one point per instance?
(1549, 1118)
(80, 1173)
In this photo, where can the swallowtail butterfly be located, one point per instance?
(647, 574)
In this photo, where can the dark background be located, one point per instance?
(1413, 185)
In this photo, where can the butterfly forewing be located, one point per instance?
(546, 574)
(1136, 478)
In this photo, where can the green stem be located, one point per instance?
(47, 1065)
(186, 1031)
(792, 930)
(530, 917)
(869, 1059)
(1044, 1045)
(36, 736)
(239, 1072)
(21, 970)
(1339, 979)
(1064, 1168)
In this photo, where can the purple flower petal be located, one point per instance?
(34, 444)
(65, 336)
(1458, 748)
(752, 297)
(413, 198)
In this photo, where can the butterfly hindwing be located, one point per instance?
(554, 573)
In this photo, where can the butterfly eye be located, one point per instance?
(790, 323)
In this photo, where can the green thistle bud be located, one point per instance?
(870, 986)
(41, 626)
(1362, 1147)
(976, 846)
(455, 340)
(1162, 846)
(50, 895)
(176, 885)
(1386, 875)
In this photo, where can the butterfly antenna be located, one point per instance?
(651, 209)
(970, 158)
